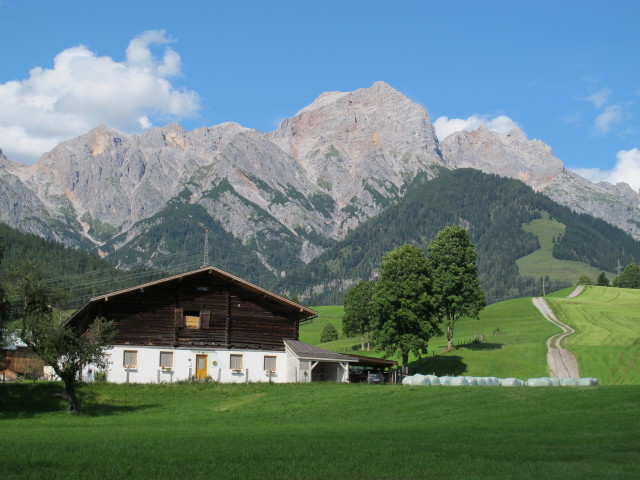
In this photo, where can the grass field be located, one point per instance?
(541, 262)
(321, 431)
(607, 338)
(519, 350)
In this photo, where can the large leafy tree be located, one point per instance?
(402, 304)
(358, 310)
(629, 278)
(66, 350)
(456, 286)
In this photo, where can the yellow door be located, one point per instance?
(201, 367)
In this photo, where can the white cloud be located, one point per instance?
(445, 126)
(612, 115)
(599, 98)
(626, 169)
(84, 90)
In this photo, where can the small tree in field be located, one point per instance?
(358, 310)
(456, 286)
(602, 280)
(56, 344)
(584, 280)
(329, 333)
(402, 304)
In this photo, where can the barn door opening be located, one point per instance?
(201, 367)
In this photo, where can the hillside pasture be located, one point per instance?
(607, 338)
(320, 431)
(542, 263)
(513, 337)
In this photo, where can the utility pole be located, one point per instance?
(205, 259)
(543, 291)
(619, 268)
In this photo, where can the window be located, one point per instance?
(196, 319)
(192, 319)
(166, 359)
(235, 362)
(270, 363)
(130, 359)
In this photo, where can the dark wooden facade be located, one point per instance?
(206, 308)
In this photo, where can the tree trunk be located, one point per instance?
(362, 346)
(74, 403)
(69, 388)
(405, 360)
(450, 336)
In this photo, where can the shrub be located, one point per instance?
(329, 333)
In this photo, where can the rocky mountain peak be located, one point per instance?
(510, 154)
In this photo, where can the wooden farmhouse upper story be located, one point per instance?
(203, 308)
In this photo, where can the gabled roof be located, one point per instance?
(309, 352)
(304, 311)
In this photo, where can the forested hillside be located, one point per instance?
(78, 274)
(493, 209)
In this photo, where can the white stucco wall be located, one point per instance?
(184, 365)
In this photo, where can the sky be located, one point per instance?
(565, 72)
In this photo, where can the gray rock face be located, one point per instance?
(333, 165)
(512, 155)
(508, 154)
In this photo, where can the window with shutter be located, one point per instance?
(192, 319)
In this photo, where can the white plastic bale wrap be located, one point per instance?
(540, 382)
(511, 382)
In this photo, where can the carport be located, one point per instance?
(308, 363)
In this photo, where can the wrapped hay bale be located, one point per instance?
(459, 381)
(539, 382)
(511, 382)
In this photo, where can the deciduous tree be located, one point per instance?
(66, 350)
(456, 286)
(329, 333)
(402, 303)
(358, 310)
(629, 278)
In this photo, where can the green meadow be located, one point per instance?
(511, 343)
(607, 338)
(320, 431)
(542, 262)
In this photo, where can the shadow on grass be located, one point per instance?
(26, 400)
(481, 346)
(439, 365)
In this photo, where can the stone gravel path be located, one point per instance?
(562, 363)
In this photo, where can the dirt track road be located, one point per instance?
(562, 363)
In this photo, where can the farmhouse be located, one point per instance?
(207, 323)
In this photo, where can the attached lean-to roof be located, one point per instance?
(305, 351)
(304, 311)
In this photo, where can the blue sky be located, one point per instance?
(565, 72)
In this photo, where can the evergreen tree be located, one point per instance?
(405, 319)
(456, 286)
(602, 280)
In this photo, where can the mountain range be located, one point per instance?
(282, 197)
